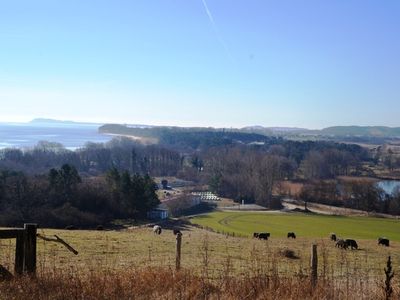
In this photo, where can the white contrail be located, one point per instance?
(214, 25)
(209, 13)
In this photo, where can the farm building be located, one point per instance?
(159, 213)
(205, 196)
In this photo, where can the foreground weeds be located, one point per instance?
(164, 283)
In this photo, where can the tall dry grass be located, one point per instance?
(260, 279)
(259, 271)
(161, 283)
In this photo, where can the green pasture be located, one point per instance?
(304, 225)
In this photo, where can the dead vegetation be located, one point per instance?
(258, 282)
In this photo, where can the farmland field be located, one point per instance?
(305, 225)
(140, 247)
(113, 257)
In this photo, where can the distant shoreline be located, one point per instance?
(123, 135)
(143, 140)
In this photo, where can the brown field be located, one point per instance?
(292, 189)
(230, 267)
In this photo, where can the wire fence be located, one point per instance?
(205, 252)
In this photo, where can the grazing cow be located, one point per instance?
(263, 235)
(291, 235)
(333, 237)
(351, 243)
(341, 244)
(157, 229)
(176, 231)
(383, 241)
(255, 235)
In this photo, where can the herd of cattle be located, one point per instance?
(339, 243)
(157, 230)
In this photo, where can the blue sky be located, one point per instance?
(170, 62)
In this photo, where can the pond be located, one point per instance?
(389, 186)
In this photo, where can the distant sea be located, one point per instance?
(27, 135)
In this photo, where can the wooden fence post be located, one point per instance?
(19, 253)
(30, 247)
(314, 265)
(178, 250)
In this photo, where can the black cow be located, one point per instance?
(291, 235)
(333, 237)
(341, 244)
(264, 235)
(351, 243)
(383, 241)
(255, 235)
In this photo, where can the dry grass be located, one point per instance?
(258, 282)
(141, 248)
(289, 188)
(136, 264)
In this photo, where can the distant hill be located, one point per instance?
(274, 130)
(372, 131)
(187, 137)
(334, 131)
(342, 131)
(43, 120)
(53, 122)
(155, 131)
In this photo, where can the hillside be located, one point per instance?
(355, 134)
(188, 137)
(55, 123)
(373, 131)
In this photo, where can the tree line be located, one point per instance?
(95, 158)
(358, 194)
(62, 197)
(234, 165)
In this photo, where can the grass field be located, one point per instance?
(304, 225)
(137, 248)
(132, 254)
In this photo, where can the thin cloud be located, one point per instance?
(209, 13)
(215, 27)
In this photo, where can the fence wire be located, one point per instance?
(207, 253)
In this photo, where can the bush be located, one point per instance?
(288, 253)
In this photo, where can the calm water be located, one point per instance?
(389, 186)
(28, 135)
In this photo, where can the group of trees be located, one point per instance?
(61, 197)
(237, 165)
(186, 139)
(134, 195)
(329, 163)
(246, 174)
(358, 194)
(95, 158)
(250, 172)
